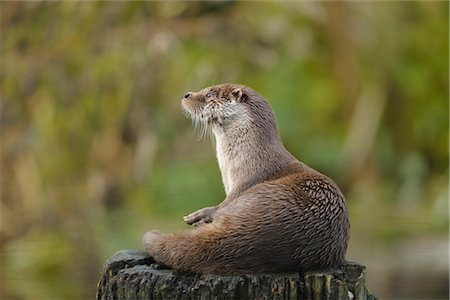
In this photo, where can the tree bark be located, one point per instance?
(132, 274)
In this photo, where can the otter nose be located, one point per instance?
(187, 95)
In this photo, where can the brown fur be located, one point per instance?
(279, 214)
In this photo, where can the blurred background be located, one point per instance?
(95, 149)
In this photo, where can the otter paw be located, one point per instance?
(150, 238)
(201, 216)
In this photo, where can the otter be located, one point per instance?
(279, 214)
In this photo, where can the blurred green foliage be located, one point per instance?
(95, 149)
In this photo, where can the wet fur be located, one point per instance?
(279, 214)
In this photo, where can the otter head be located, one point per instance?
(230, 106)
(248, 146)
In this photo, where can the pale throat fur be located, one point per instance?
(248, 146)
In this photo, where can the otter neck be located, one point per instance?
(247, 157)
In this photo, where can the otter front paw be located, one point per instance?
(150, 239)
(204, 215)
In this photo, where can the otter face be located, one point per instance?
(215, 105)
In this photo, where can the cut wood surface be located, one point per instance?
(132, 274)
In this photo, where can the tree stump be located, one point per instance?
(131, 274)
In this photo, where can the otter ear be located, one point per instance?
(237, 94)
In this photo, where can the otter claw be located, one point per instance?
(199, 217)
(202, 221)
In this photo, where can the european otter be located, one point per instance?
(279, 214)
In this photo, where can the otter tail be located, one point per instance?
(221, 247)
